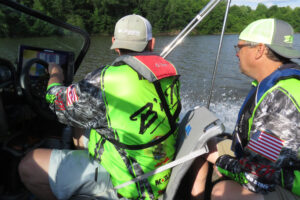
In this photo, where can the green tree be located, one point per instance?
(76, 20)
(213, 22)
(100, 16)
(179, 14)
(295, 19)
(4, 28)
(284, 13)
(272, 11)
(155, 11)
(260, 11)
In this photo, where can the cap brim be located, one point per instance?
(138, 46)
(286, 52)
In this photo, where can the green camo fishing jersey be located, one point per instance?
(133, 117)
(267, 135)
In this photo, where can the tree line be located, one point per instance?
(166, 16)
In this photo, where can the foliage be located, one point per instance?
(166, 16)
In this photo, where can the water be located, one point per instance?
(195, 60)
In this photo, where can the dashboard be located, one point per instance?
(23, 86)
(7, 73)
(29, 41)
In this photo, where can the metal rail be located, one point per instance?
(197, 19)
(218, 54)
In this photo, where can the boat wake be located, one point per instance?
(226, 110)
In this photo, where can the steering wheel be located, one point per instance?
(34, 88)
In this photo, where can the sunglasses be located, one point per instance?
(239, 46)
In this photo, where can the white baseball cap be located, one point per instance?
(276, 34)
(132, 32)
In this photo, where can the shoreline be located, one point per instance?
(171, 33)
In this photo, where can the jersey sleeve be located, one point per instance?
(80, 104)
(272, 145)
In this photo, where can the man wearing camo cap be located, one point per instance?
(264, 159)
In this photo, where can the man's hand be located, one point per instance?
(56, 74)
(217, 171)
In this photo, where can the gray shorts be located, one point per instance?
(73, 172)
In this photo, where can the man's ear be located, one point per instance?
(151, 44)
(261, 50)
(116, 49)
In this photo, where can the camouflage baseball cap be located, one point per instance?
(132, 32)
(278, 35)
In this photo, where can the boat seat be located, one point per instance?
(196, 128)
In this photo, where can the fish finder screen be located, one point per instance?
(27, 53)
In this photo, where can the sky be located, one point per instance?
(268, 3)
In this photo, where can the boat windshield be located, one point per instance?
(19, 27)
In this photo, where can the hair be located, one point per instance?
(276, 57)
(127, 51)
(271, 54)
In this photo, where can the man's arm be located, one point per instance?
(272, 143)
(56, 74)
(80, 104)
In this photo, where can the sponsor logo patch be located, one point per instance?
(188, 128)
(257, 183)
(288, 39)
(162, 162)
(163, 179)
(258, 169)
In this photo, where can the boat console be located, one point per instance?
(26, 122)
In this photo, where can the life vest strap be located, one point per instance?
(151, 67)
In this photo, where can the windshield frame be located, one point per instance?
(39, 15)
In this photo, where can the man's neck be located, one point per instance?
(267, 69)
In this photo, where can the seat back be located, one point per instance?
(195, 129)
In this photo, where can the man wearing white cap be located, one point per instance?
(264, 159)
(131, 110)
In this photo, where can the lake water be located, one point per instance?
(195, 60)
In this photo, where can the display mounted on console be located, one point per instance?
(63, 58)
